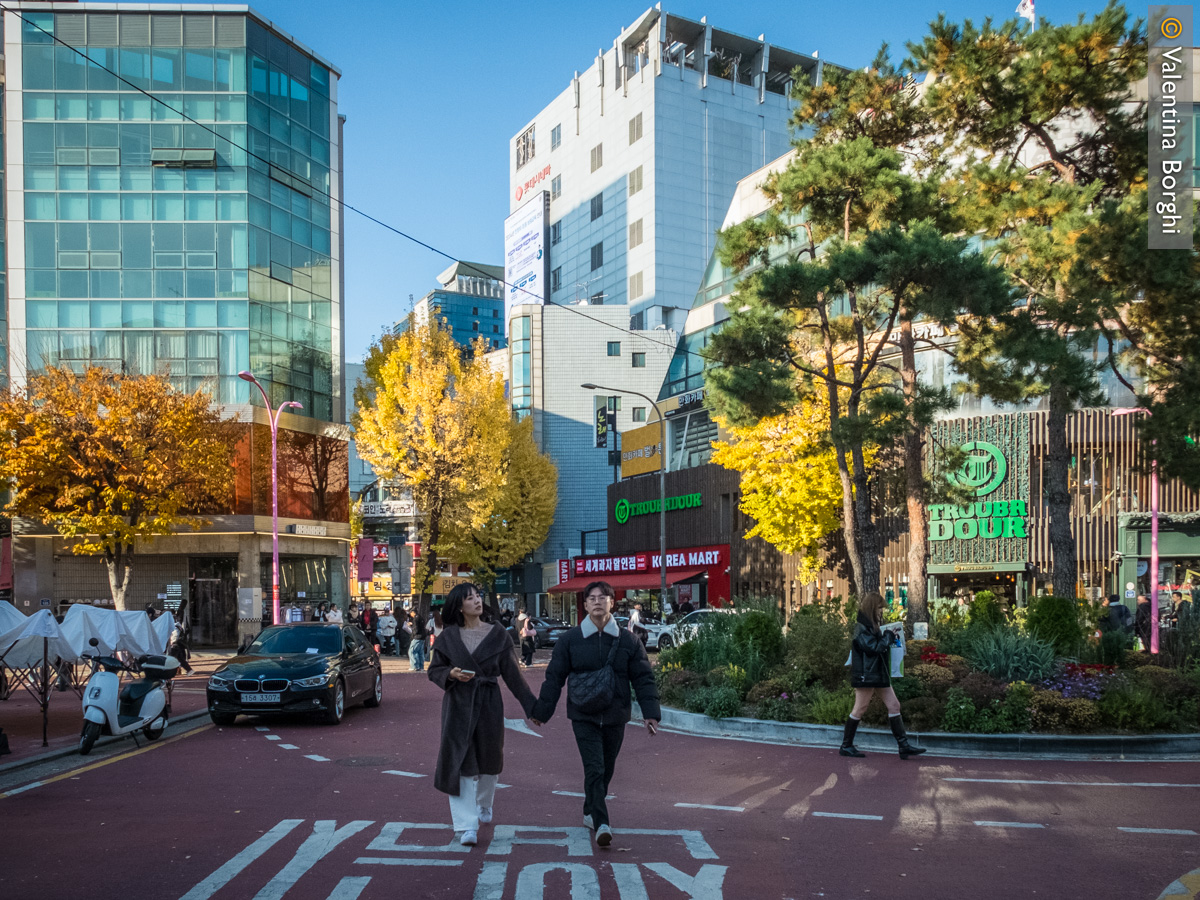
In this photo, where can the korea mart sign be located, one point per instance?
(991, 532)
(624, 510)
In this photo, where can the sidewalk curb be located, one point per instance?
(51, 755)
(1050, 746)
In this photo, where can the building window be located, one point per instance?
(635, 234)
(495, 313)
(555, 233)
(474, 310)
(635, 181)
(614, 348)
(495, 329)
(639, 360)
(637, 322)
(556, 279)
(639, 414)
(555, 187)
(597, 299)
(597, 256)
(635, 128)
(597, 207)
(555, 137)
(597, 157)
(635, 285)
(525, 146)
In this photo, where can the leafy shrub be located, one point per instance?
(728, 674)
(1050, 711)
(676, 684)
(908, 688)
(986, 611)
(782, 709)
(914, 650)
(1113, 646)
(959, 714)
(958, 665)
(935, 678)
(760, 630)
(1056, 621)
(817, 644)
(719, 702)
(1128, 706)
(1081, 680)
(1011, 656)
(923, 713)
(768, 689)
(832, 707)
(1168, 683)
(981, 688)
(1018, 700)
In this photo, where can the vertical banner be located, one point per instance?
(1169, 127)
(601, 415)
(564, 570)
(366, 559)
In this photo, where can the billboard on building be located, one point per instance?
(641, 450)
(526, 260)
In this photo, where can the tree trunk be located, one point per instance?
(849, 515)
(868, 534)
(427, 568)
(914, 481)
(119, 564)
(1058, 495)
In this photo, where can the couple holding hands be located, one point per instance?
(474, 652)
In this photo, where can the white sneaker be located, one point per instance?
(587, 820)
(603, 835)
(485, 815)
(469, 839)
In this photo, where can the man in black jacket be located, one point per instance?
(1142, 621)
(586, 648)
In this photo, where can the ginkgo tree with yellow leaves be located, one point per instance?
(436, 419)
(109, 460)
(790, 484)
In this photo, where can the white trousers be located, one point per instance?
(474, 791)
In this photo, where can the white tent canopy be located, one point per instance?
(21, 637)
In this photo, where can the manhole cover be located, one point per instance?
(363, 761)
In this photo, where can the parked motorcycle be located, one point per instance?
(143, 705)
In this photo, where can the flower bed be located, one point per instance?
(980, 676)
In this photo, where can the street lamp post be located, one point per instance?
(273, 415)
(662, 484)
(1141, 410)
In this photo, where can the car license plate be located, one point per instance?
(260, 698)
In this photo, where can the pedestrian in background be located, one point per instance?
(370, 624)
(870, 671)
(416, 646)
(588, 647)
(528, 635)
(1142, 621)
(334, 615)
(469, 658)
(1119, 618)
(387, 632)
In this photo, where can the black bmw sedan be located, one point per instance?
(312, 667)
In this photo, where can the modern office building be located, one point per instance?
(469, 301)
(641, 153)
(172, 180)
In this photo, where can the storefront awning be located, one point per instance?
(627, 581)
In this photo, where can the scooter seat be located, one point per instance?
(136, 690)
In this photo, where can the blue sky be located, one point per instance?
(434, 91)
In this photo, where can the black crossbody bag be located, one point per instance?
(593, 692)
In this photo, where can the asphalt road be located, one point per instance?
(273, 809)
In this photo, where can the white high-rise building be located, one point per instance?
(641, 154)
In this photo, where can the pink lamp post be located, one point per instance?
(1153, 532)
(273, 414)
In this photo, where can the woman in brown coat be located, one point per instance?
(470, 656)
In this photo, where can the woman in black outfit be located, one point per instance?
(870, 671)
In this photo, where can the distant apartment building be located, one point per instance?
(469, 300)
(172, 179)
(640, 155)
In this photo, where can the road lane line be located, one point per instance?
(234, 867)
(272, 737)
(316, 757)
(261, 728)
(709, 806)
(1156, 830)
(349, 888)
(398, 861)
(519, 725)
(403, 774)
(1009, 825)
(1163, 784)
(325, 837)
(104, 762)
(832, 815)
(577, 794)
(288, 747)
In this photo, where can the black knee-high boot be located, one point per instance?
(906, 749)
(848, 748)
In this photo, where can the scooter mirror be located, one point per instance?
(95, 642)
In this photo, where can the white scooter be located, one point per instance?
(143, 705)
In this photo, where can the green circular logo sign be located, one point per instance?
(621, 511)
(984, 469)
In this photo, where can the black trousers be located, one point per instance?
(528, 645)
(598, 748)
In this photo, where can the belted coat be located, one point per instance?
(472, 740)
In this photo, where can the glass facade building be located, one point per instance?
(172, 178)
(172, 183)
(470, 304)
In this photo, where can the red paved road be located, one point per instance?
(235, 813)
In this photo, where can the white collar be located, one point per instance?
(588, 627)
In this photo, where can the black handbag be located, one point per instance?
(593, 692)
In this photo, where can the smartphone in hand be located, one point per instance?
(467, 671)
